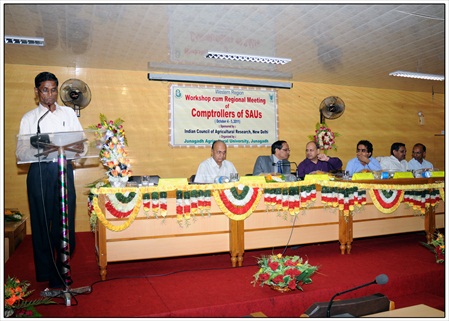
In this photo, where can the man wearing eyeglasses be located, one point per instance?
(277, 162)
(43, 182)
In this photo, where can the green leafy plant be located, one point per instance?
(285, 272)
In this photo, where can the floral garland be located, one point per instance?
(146, 203)
(420, 200)
(238, 206)
(182, 207)
(386, 201)
(121, 205)
(204, 201)
(289, 200)
(308, 195)
(131, 217)
(346, 199)
(324, 137)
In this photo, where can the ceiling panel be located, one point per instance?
(346, 44)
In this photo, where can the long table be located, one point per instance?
(130, 228)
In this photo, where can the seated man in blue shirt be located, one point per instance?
(315, 161)
(364, 159)
(418, 161)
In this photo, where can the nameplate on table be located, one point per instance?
(362, 176)
(172, 182)
(258, 179)
(437, 174)
(320, 177)
(403, 175)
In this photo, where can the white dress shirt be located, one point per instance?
(208, 170)
(392, 163)
(414, 164)
(62, 120)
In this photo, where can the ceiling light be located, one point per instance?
(416, 75)
(219, 80)
(15, 40)
(239, 57)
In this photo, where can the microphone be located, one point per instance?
(380, 279)
(37, 139)
(38, 122)
(284, 162)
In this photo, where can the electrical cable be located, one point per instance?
(290, 237)
(181, 271)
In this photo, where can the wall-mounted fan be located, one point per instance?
(75, 93)
(331, 107)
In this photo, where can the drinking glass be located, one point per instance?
(145, 180)
(234, 177)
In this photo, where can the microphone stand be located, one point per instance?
(339, 293)
(66, 293)
(39, 139)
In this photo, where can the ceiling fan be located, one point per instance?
(331, 107)
(75, 93)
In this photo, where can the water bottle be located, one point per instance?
(426, 174)
(221, 179)
(384, 175)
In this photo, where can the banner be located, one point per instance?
(239, 117)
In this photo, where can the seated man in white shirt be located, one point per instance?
(396, 161)
(418, 158)
(216, 165)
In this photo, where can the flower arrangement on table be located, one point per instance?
(437, 247)
(112, 141)
(15, 305)
(324, 137)
(283, 273)
(274, 178)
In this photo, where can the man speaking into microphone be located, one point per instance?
(277, 162)
(42, 180)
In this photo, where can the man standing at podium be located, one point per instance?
(42, 182)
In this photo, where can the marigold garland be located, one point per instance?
(346, 199)
(112, 227)
(421, 200)
(237, 212)
(121, 204)
(289, 200)
(146, 203)
(204, 201)
(386, 203)
(163, 204)
(287, 197)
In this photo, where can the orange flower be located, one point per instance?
(12, 300)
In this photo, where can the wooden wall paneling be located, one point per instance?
(379, 115)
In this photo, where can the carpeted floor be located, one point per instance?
(206, 285)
